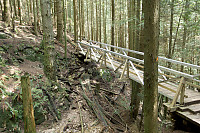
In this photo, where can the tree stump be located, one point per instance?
(29, 121)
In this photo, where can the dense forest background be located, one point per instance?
(123, 23)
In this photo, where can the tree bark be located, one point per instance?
(75, 26)
(48, 41)
(130, 5)
(59, 10)
(65, 28)
(113, 25)
(19, 11)
(35, 17)
(6, 15)
(184, 32)
(151, 44)
(29, 121)
(15, 8)
(171, 33)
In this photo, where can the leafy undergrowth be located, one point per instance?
(19, 53)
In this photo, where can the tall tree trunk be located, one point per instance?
(82, 18)
(59, 7)
(130, 25)
(88, 23)
(113, 25)
(55, 14)
(171, 33)
(75, 22)
(184, 32)
(15, 7)
(38, 14)
(65, 28)
(97, 27)
(20, 11)
(92, 22)
(35, 17)
(99, 20)
(30, 4)
(28, 9)
(173, 48)
(48, 40)
(6, 15)
(151, 44)
(1, 8)
(105, 9)
(137, 41)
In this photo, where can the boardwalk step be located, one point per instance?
(192, 108)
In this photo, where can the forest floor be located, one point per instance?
(80, 105)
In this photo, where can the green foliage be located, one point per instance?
(2, 61)
(106, 75)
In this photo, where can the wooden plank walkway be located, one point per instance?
(191, 108)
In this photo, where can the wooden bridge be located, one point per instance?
(181, 88)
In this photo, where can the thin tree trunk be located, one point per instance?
(171, 33)
(137, 42)
(59, 7)
(75, 30)
(184, 32)
(99, 20)
(82, 18)
(97, 31)
(30, 3)
(88, 23)
(104, 22)
(92, 22)
(15, 7)
(130, 25)
(38, 14)
(65, 28)
(173, 48)
(35, 17)
(19, 11)
(113, 25)
(6, 15)
(151, 37)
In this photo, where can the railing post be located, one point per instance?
(180, 87)
(182, 95)
(125, 65)
(105, 58)
(127, 69)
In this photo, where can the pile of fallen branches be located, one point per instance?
(104, 105)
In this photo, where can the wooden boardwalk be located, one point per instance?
(169, 86)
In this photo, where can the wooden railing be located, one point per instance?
(101, 52)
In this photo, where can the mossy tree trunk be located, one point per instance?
(151, 44)
(29, 121)
(48, 41)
